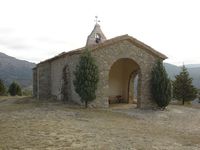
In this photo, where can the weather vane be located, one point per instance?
(96, 19)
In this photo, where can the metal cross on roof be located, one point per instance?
(96, 19)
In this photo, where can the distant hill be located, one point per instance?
(193, 66)
(193, 70)
(12, 69)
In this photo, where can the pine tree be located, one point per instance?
(160, 85)
(182, 87)
(15, 89)
(2, 88)
(86, 77)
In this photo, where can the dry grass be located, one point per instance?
(30, 124)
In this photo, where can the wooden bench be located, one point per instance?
(115, 99)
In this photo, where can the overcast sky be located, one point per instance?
(35, 30)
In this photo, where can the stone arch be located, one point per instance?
(121, 73)
(133, 87)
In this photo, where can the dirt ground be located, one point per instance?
(29, 124)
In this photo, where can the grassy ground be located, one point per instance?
(26, 123)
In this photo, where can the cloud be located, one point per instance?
(50, 40)
(14, 43)
(6, 30)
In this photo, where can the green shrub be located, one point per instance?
(160, 85)
(26, 92)
(2, 88)
(15, 89)
(86, 77)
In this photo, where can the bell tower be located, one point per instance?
(96, 35)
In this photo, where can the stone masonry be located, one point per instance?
(48, 75)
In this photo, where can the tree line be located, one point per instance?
(163, 89)
(13, 90)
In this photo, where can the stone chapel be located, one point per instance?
(121, 61)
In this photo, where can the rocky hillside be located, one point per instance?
(12, 69)
(194, 71)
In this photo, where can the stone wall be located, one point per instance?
(44, 80)
(57, 80)
(56, 77)
(34, 82)
(72, 61)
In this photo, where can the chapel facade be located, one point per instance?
(121, 61)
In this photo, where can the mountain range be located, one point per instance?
(12, 69)
(193, 69)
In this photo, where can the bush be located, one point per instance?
(26, 92)
(160, 85)
(86, 77)
(2, 88)
(15, 89)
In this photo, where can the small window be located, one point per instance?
(97, 38)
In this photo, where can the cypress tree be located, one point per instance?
(15, 89)
(65, 83)
(183, 89)
(2, 88)
(198, 95)
(160, 85)
(86, 77)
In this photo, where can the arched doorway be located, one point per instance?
(133, 87)
(122, 89)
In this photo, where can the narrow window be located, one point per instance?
(97, 38)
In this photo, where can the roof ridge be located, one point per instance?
(106, 43)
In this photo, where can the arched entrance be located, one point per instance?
(123, 76)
